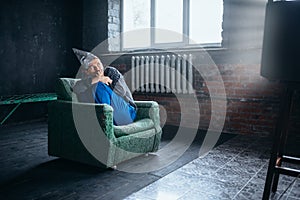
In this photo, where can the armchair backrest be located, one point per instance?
(64, 89)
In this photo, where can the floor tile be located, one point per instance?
(196, 195)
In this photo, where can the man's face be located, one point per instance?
(95, 68)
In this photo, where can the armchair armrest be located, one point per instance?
(149, 109)
(63, 111)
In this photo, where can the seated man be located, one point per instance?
(110, 89)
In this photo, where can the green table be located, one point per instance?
(24, 98)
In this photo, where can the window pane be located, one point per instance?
(168, 15)
(206, 21)
(136, 15)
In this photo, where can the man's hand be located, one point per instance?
(105, 79)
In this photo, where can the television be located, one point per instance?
(281, 41)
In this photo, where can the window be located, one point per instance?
(168, 15)
(176, 23)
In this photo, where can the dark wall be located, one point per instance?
(36, 39)
(94, 27)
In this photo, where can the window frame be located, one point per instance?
(168, 45)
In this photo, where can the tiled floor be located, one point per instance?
(233, 170)
(27, 172)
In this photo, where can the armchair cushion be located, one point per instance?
(138, 126)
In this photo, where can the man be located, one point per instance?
(107, 85)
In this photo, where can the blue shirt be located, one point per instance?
(123, 112)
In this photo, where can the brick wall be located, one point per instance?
(114, 25)
(252, 101)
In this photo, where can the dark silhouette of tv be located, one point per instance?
(281, 42)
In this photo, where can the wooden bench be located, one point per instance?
(24, 98)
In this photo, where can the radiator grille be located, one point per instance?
(162, 74)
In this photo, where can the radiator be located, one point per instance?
(162, 74)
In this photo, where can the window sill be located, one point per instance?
(175, 50)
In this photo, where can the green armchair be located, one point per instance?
(71, 135)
